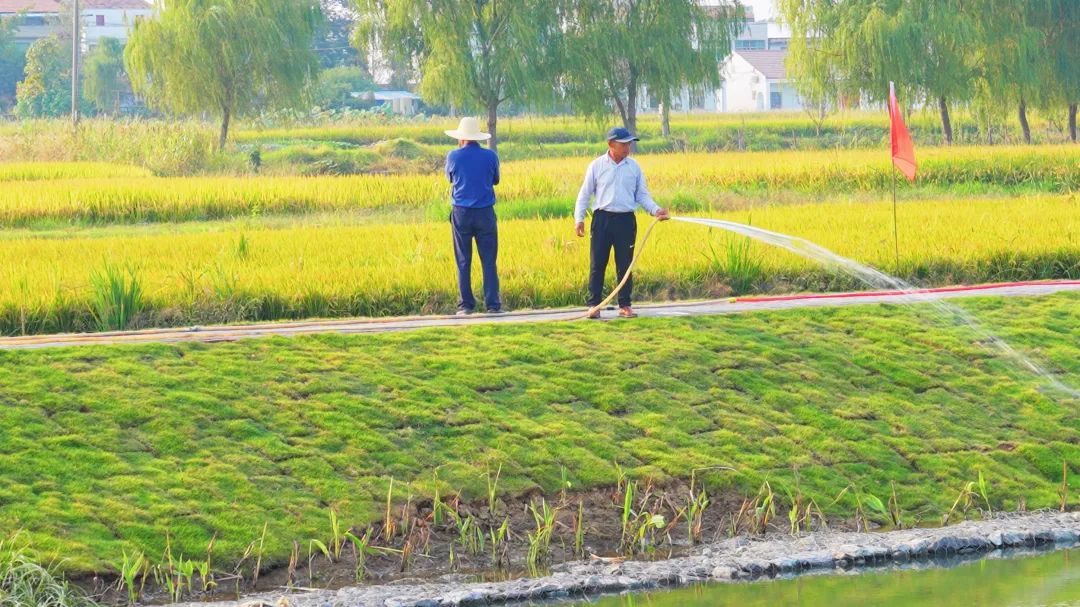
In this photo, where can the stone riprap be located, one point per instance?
(734, 559)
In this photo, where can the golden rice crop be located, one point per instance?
(40, 171)
(260, 273)
(703, 176)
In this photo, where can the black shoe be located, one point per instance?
(464, 312)
(495, 311)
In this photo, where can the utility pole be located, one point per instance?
(76, 44)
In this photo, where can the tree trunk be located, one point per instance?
(665, 118)
(225, 116)
(631, 110)
(493, 125)
(1072, 122)
(946, 122)
(1024, 122)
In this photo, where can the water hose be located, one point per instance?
(626, 276)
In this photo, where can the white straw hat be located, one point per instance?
(469, 130)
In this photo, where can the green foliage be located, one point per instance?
(473, 54)
(615, 47)
(117, 298)
(103, 76)
(12, 63)
(225, 57)
(46, 90)
(335, 85)
(25, 582)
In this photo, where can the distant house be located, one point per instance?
(399, 102)
(100, 18)
(757, 81)
(111, 19)
(37, 18)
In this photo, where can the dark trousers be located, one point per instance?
(611, 230)
(476, 224)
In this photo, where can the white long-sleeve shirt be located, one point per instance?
(618, 188)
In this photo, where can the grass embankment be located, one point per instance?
(688, 182)
(239, 272)
(113, 449)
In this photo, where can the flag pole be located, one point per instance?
(895, 231)
(892, 172)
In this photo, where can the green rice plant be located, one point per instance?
(117, 297)
(492, 490)
(1063, 490)
(627, 510)
(132, 567)
(315, 548)
(337, 540)
(696, 503)
(762, 509)
(964, 501)
(644, 529)
(362, 548)
(499, 545)
(540, 538)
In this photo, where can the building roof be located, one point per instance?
(769, 63)
(30, 6)
(115, 4)
(392, 95)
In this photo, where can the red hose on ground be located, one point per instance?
(999, 285)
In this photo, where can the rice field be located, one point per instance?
(90, 194)
(247, 271)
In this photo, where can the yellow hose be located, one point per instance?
(637, 255)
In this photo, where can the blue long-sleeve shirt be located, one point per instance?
(618, 188)
(473, 172)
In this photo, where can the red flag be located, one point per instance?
(903, 150)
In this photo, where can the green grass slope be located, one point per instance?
(106, 449)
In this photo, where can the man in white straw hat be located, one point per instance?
(473, 172)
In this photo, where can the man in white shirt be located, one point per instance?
(617, 186)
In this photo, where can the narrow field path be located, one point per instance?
(739, 305)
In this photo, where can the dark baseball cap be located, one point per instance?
(621, 135)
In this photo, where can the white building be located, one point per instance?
(37, 18)
(100, 18)
(756, 81)
(111, 19)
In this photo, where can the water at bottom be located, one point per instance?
(1044, 580)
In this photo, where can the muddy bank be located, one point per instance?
(734, 559)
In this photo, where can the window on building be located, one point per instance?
(776, 100)
(100, 21)
(33, 20)
(749, 45)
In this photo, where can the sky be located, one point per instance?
(762, 8)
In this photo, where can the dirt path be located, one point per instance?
(674, 309)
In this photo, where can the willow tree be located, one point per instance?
(1013, 55)
(471, 54)
(856, 47)
(1059, 21)
(615, 48)
(224, 57)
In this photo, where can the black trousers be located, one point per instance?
(611, 231)
(479, 225)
